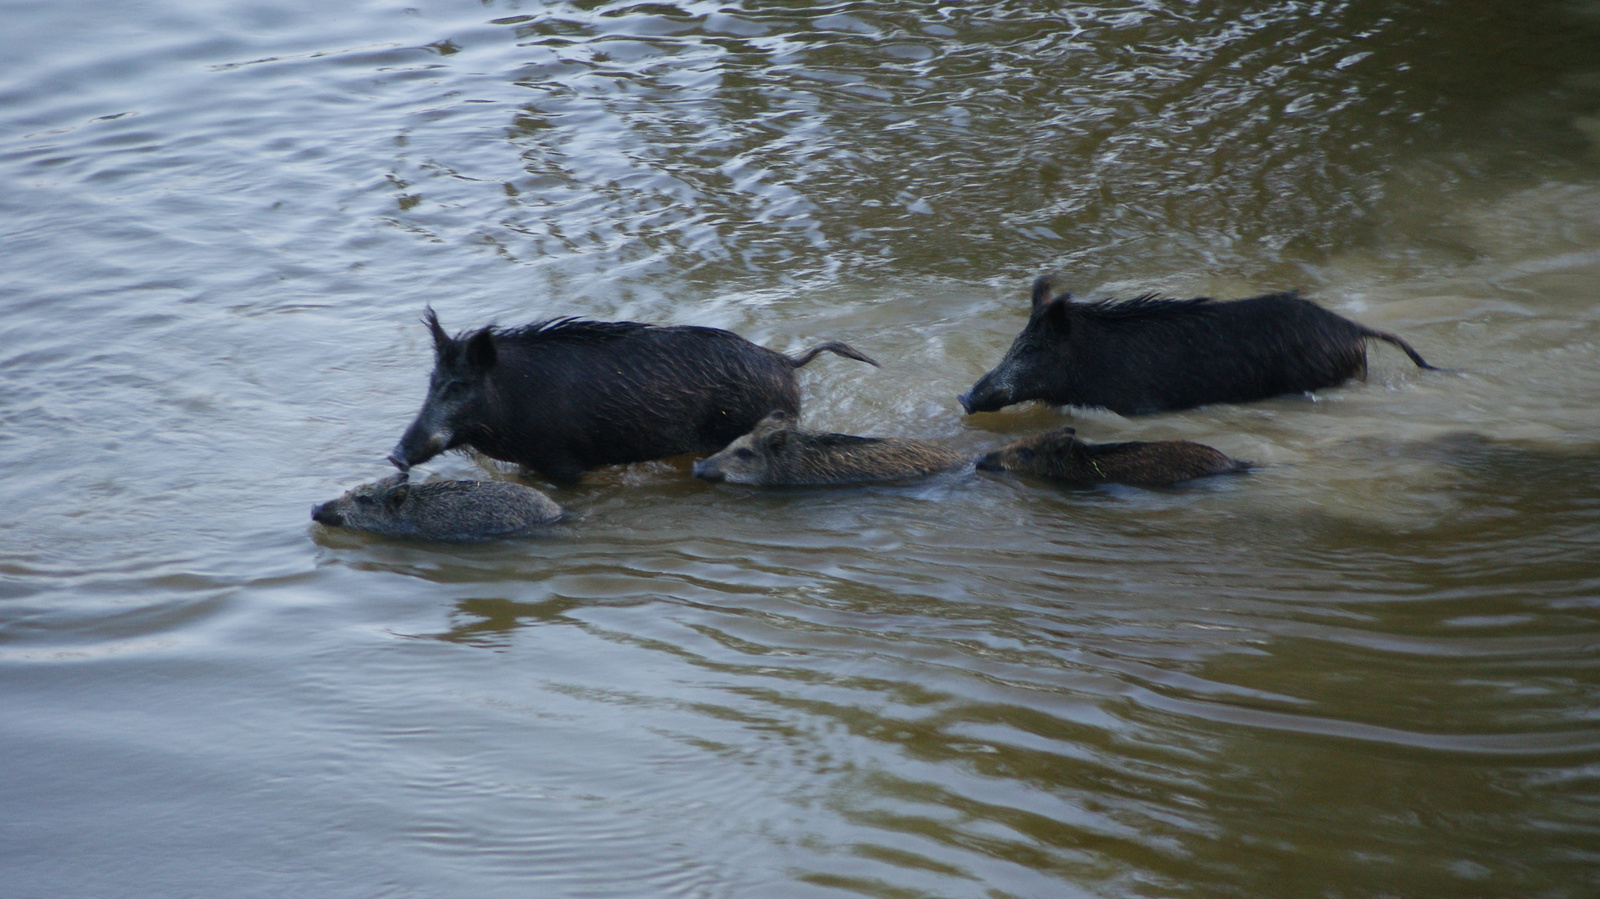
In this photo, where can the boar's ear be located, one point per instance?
(1067, 437)
(774, 441)
(776, 420)
(1043, 289)
(440, 338)
(397, 496)
(1055, 312)
(481, 354)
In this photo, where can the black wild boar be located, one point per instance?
(777, 453)
(566, 395)
(1061, 456)
(440, 510)
(1153, 355)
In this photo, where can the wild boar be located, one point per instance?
(566, 395)
(1153, 355)
(778, 453)
(1061, 456)
(440, 510)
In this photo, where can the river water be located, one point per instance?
(1371, 667)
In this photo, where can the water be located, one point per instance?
(1366, 669)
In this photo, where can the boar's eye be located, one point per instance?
(453, 389)
(364, 499)
(744, 453)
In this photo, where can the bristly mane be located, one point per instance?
(1145, 306)
(1150, 305)
(842, 440)
(570, 330)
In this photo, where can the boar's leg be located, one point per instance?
(566, 473)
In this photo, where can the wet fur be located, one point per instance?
(1061, 456)
(440, 510)
(777, 453)
(1152, 354)
(562, 396)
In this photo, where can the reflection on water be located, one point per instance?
(1363, 668)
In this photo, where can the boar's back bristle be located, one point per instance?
(570, 329)
(1143, 308)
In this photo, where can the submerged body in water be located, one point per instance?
(451, 510)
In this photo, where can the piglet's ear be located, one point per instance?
(775, 441)
(481, 354)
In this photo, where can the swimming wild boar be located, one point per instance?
(777, 453)
(1152, 355)
(1061, 456)
(567, 395)
(439, 510)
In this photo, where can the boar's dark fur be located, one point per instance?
(1061, 456)
(1152, 355)
(777, 453)
(566, 395)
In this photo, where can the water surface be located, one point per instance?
(1367, 668)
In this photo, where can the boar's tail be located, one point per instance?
(832, 346)
(1406, 347)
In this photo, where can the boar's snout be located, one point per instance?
(990, 462)
(417, 446)
(984, 398)
(327, 514)
(706, 471)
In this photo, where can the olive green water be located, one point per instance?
(1369, 668)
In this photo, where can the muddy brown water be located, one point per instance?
(1367, 668)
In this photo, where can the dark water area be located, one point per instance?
(1369, 667)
